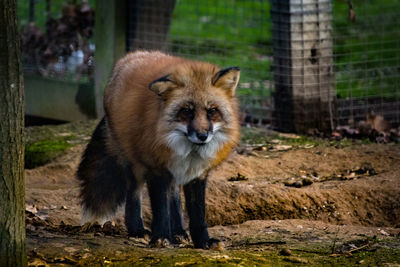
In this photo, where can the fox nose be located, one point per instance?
(202, 136)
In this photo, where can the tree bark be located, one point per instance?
(12, 189)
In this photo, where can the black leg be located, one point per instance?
(195, 192)
(159, 187)
(177, 226)
(133, 211)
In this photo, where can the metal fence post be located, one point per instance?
(303, 64)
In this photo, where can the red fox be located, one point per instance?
(168, 121)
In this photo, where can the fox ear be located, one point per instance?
(227, 79)
(161, 85)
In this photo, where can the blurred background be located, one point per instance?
(307, 64)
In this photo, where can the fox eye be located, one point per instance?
(187, 112)
(211, 112)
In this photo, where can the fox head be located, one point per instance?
(199, 107)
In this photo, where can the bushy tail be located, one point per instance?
(103, 180)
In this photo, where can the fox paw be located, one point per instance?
(215, 244)
(160, 243)
(141, 233)
(212, 243)
(180, 239)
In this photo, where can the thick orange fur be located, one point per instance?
(137, 116)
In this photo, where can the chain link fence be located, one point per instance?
(367, 60)
(224, 32)
(356, 45)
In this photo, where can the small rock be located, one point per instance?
(383, 232)
(31, 208)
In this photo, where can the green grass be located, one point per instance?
(227, 33)
(368, 50)
(239, 33)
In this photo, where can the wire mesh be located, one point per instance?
(367, 60)
(353, 51)
(224, 32)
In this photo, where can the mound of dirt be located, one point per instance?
(369, 198)
(354, 185)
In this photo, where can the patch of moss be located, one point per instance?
(39, 153)
(44, 143)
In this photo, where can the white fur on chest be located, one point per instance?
(186, 168)
(189, 161)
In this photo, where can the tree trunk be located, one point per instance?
(12, 191)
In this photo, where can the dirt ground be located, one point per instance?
(275, 202)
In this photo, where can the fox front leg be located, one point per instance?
(133, 210)
(159, 187)
(195, 192)
(177, 226)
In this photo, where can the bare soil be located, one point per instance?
(271, 204)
